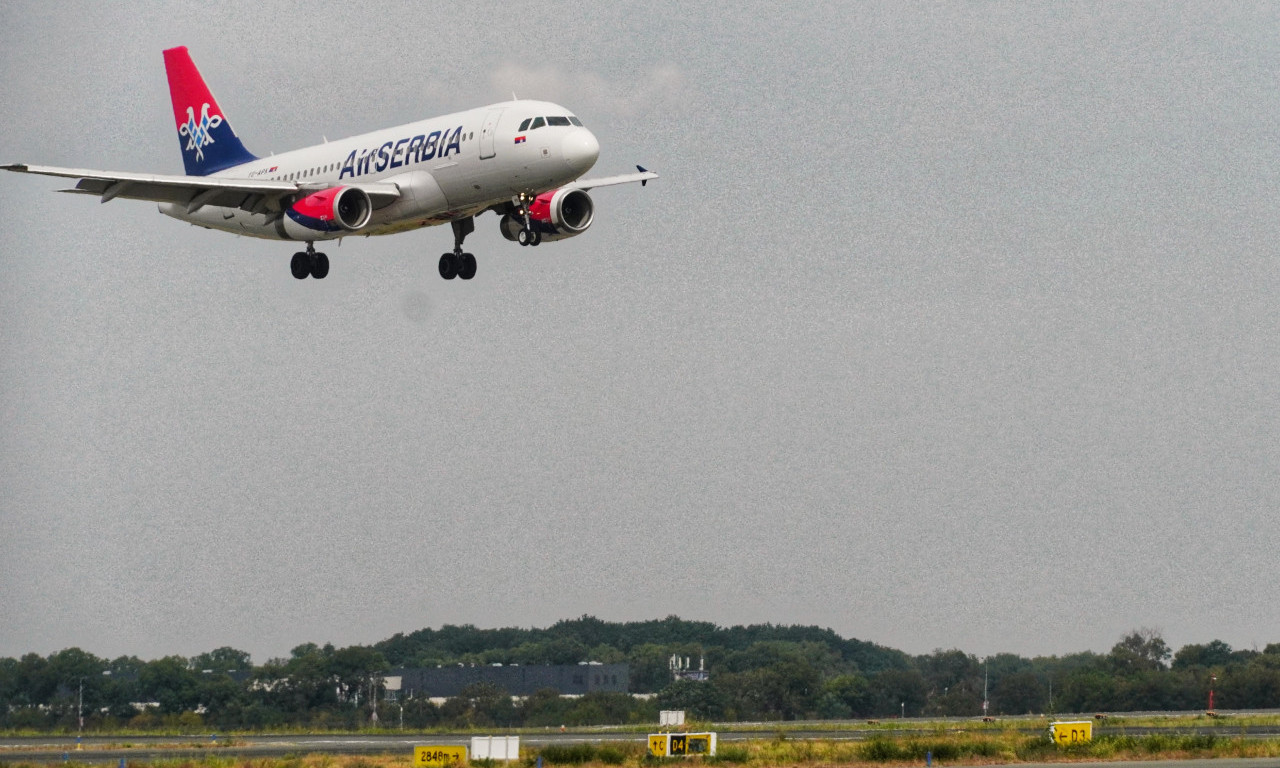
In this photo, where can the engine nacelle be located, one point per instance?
(557, 214)
(330, 210)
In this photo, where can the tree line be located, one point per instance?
(760, 672)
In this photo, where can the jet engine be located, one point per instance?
(327, 211)
(555, 215)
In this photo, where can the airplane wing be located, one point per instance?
(627, 178)
(254, 196)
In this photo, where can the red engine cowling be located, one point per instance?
(331, 210)
(556, 215)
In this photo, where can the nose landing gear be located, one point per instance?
(527, 234)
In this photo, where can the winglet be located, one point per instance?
(642, 169)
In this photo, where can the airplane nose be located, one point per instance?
(580, 149)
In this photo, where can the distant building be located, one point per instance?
(567, 679)
(681, 670)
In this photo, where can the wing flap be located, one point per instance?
(193, 191)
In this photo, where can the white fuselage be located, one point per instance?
(446, 168)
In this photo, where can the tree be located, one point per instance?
(355, 669)
(962, 700)
(1214, 654)
(702, 700)
(1141, 650)
(649, 668)
(845, 696)
(170, 683)
(785, 691)
(1086, 690)
(1019, 693)
(895, 691)
(947, 669)
(222, 660)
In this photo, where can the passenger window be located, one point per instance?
(575, 121)
(537, 123)
(525, 125)
(561, 121)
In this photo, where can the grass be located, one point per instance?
(885, 749)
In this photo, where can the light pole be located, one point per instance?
(1212, 679)
(80, 714)
(985, 700)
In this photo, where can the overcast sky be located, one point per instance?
(947, 325)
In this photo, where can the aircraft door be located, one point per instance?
(487, 133)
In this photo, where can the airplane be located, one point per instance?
(521, 159)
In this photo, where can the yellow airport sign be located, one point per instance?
(658, 744)
(1066, 734)
(678, 744)
(439, 756)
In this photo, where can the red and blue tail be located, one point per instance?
(207, 140)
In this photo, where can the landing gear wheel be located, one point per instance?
(448, 266)
(459, 264)
(300, 265)
(524, 236)
(537, 238)
(320, 266)
(467, 269)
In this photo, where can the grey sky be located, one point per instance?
(947, 325)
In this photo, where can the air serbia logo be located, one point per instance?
(198, 136)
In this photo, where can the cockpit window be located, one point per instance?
(575, 121)
(537, 123)
(557, 121)
(525, 125)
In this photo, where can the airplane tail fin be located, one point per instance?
(208, 142)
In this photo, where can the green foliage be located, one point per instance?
(1142, 650)
(730, 754)
(569, 754)
(758, 672)
(612, 754)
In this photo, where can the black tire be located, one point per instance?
(320, 267)
(300, 265)
(524, 236)
(467, 269)
(448, 266)
(537, 238)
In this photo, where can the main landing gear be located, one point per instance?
(459, 264)
(309, 264)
